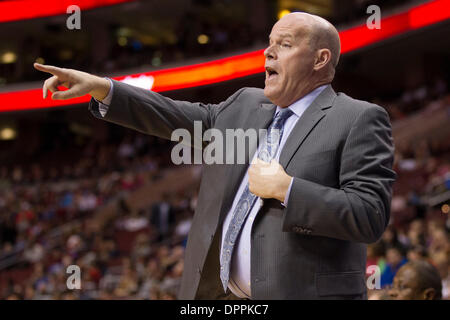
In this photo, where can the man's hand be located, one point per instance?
(268, 180)
(78, 83)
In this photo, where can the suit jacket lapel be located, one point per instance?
(309, 119)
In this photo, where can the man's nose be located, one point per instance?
(269, 53)
(392, 293)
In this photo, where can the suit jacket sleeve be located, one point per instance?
(151, 113)
(359, 210)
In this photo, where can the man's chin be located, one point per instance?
(270, 94)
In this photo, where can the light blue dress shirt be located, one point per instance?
(240, 277)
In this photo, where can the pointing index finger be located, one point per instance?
(50, 69)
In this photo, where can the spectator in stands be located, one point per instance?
(172, 280)
(163, 216)
(417, 253)
(441, 261)
(375, 255)
(183, 226)
(34, 253)
(128, 283)
(439, 241)
(390, 238)
(395, 259)
(417, 280)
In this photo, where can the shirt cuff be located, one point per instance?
(286, 197)
(104, 104)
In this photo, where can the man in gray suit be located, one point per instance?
(301, 231)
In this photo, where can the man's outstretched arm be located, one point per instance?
(132, 107)
(152, 113)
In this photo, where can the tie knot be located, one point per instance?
(282, 115)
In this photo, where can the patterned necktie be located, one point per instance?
(266, 153)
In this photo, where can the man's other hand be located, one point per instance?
(78, 83)
(268, 180)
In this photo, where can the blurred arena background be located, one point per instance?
(77, 190)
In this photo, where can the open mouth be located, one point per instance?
(271, 73)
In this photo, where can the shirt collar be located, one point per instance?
(299, 106)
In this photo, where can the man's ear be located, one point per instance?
(428, 294)
(323, 57)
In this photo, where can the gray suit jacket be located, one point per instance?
(340, 154)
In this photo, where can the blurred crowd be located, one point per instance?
(415, 98)
(424, 241)
(129, 256)
(416, 242)
(49, 220)
(125, 257)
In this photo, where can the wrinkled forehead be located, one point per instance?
(296, 28)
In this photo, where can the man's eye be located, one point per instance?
(285, 45)
(399, 287)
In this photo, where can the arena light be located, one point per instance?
(8, 57)
(445, 208)
(203, 39)
(144, 82)
(7, 133)
(282, 13)
(40, 60)
(12, 10)
(245, 64)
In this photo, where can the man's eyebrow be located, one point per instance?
(283, 35)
